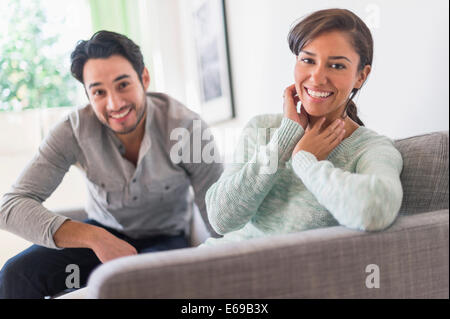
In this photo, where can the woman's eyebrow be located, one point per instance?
(339, 57)
(334, 57)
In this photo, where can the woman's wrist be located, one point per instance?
(288, 134)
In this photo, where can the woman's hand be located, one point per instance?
(320, 142)
(290, 107)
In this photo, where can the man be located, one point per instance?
(139, 199)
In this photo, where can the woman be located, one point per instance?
(331, 169)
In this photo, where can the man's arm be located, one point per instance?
(106, 246)
(22, 212)
(21, 209)
(206, 172)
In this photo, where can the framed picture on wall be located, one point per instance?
(208, 61)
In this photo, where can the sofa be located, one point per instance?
(410, 259)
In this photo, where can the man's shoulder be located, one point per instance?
(170, 112)
(82, 121)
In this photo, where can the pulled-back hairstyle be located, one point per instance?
(104, 44)
(336, 20)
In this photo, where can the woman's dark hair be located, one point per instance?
(332, 20)
(104, 44)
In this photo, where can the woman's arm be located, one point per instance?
(234, 199)
(368, 199)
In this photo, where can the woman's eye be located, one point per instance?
(307, 60)
(338, 66)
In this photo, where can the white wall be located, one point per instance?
(407, 91)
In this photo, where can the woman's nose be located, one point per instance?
(318, 75)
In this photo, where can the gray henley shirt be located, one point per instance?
(155, 197)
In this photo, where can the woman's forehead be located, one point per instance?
(332, 43)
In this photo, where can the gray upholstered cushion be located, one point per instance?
(412, 257)
(425, 172)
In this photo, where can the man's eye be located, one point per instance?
(338, 66)
(123, 85)
(98, 92)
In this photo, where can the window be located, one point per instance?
(35, 44)
(36, 87)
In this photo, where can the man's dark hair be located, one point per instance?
(104, 44)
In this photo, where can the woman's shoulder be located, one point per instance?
(270, 120)
(365, 139)
(365, 134)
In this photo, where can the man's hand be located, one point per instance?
(290, 107)
(74, 234)
(321, 142)
(107, 246)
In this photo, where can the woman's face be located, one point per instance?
(326, 72)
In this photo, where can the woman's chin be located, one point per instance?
(315, 112)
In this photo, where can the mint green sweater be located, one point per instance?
(358, 186)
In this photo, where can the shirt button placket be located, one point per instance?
(134, 190)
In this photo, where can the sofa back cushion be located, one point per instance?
(425, 172)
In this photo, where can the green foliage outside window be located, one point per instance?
(31, 76)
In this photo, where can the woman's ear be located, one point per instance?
(362, 76)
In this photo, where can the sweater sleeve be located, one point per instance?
(234, 199)
(368, 199)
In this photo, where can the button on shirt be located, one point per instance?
(154, 197)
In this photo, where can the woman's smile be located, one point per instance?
(317, 95)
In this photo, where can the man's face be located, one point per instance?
(116, 94)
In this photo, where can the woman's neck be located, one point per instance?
(350, 126)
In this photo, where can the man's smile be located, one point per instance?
(121, 115)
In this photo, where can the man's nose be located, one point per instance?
(115, 103)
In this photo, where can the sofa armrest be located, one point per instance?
(412, 257)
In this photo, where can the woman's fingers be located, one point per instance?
(318, 125)
(334, 129)
(338, 139)
(321, 141)
(290, 104)
(289, 92)
(290, 96)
